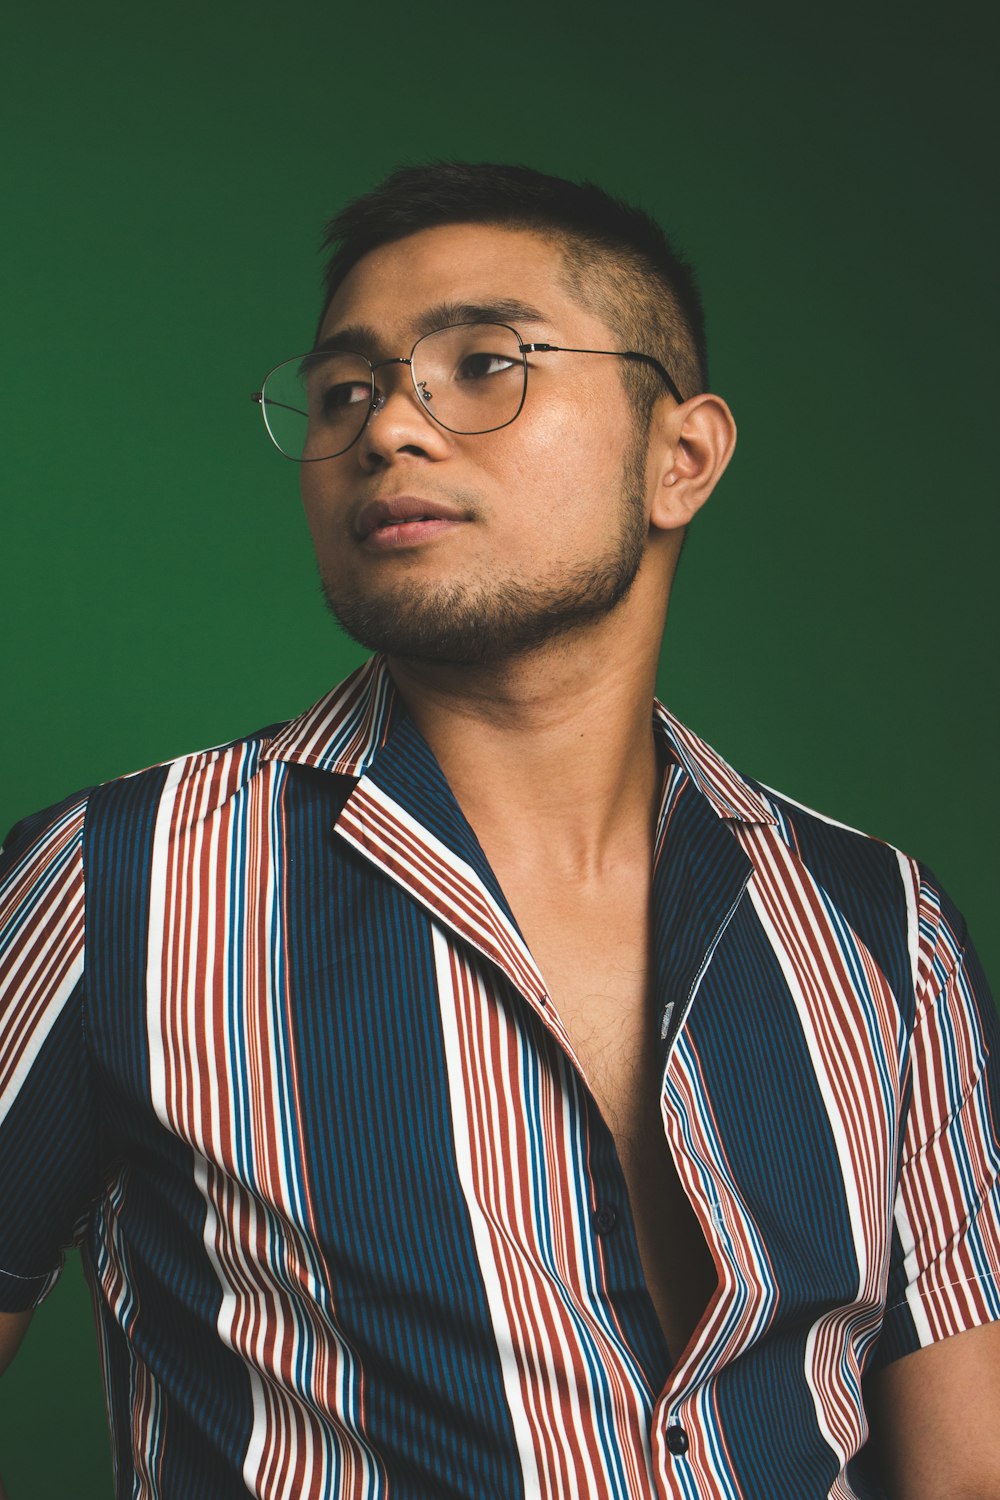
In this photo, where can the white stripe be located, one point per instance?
(141, 1425)
(822, 817)
(155, 1039)
(815, 1367)
(428, 844)
(215, 1228)
(909, 880)
(841, 1490)
(462, 1132)
(745, 1304)
(40, 1029)
(46, 1006)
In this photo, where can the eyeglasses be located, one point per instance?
(469, 378)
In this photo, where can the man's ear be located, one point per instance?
(690, 446)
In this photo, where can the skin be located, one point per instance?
(537, 497)
(564, 724)
(934, 1416)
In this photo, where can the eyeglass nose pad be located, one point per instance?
(380, 398)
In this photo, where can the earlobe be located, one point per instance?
(698, 441)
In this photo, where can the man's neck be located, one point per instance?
(548, 755)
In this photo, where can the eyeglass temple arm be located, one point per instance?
(261, 400)
(646, 359)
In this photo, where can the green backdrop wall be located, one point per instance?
(170, 168)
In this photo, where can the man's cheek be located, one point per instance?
(319, 506)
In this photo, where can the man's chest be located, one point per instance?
(594, 953)
(321, 1044)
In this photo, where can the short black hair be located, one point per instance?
(619, 260)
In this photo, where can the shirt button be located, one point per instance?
(677, 1440)
(604, 1219)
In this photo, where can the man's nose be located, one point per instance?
(398, 419)
(397, 381)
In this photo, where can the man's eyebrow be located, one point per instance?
(500, 310)
(355, 339)
(361, 338)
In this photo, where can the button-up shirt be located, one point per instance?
(276, 1056)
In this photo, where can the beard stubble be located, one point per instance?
(479, 623)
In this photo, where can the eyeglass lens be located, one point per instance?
(470, 378)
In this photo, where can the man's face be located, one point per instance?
(474, 548)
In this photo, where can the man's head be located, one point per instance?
(473, 544)
(617, 260)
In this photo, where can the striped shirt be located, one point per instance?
(275, 1055)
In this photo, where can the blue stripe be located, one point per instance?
(161, 1220)
(392, 1222)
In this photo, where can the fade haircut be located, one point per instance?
(618, 261)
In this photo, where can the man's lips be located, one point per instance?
(404, 518)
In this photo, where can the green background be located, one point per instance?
(834, 624)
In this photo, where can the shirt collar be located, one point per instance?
(731, 795)
(344, 732)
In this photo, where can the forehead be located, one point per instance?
(392, 288)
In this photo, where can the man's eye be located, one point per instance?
(348, 393)
(478, 366)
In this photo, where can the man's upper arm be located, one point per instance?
(933, 1396)
(944, 1275)
(13, 1327)
(935, 1419)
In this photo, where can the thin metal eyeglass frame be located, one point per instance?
(376, 400)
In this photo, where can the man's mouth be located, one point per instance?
(404, 519)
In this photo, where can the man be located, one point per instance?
(475, 1087)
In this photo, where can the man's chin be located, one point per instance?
(486, 638)
(396, 628)
(430, 643)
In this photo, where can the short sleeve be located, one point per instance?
(945, 1272)
(48, 1137)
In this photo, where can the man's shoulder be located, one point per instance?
(855, 877)
(859, 870)
(339, 733)
(745, 799)
(133, 789)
